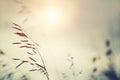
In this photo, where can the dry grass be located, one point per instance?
(28, 43)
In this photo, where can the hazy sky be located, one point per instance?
(80, 28)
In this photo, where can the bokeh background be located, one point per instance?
(79, 41)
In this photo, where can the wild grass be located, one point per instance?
(110, 74)
(28, 43)
(7, 72)
(72, 68)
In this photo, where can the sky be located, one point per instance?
(63, 28)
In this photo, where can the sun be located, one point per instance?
(48, 18)
(52, 20)
(51, 16)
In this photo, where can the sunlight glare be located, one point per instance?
(51, 16)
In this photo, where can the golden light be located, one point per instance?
(51, 15)
(54, 19)
(48, 18)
